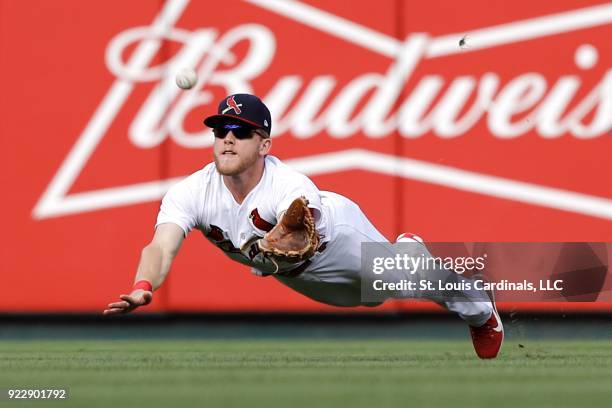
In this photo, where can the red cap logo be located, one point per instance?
(231, 104)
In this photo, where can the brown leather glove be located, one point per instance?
(294, 238)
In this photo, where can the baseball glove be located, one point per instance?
(294, 238)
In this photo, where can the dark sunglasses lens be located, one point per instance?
(241, 132)
(220, 132)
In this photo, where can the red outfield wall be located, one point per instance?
(506, 139)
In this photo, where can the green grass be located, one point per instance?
(310, 373)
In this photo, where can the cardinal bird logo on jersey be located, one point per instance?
(231, 104)
(259, 222)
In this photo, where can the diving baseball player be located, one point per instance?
(264, 214)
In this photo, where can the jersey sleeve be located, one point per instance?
(179, 207)
(290, 188)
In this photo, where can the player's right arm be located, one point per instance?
(178, 214)
(155, 261)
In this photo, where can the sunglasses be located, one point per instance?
(241, 132)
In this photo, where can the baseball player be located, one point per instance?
(264, 214)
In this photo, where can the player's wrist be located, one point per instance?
(144, 285)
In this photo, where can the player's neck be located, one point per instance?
(241, 184)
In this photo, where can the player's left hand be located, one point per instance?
(128, 303)
(294, 238)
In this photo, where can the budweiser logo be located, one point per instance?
(373, 104)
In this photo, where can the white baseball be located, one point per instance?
(186, 78)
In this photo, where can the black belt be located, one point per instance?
(292, 273)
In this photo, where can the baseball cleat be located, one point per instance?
(488, 338)
(409, 237)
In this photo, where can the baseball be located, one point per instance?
(186, 78)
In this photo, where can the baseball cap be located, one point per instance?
(244, 108)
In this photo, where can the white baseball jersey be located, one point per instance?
(331, 276)
(202, 201)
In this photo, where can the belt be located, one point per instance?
(292, 273)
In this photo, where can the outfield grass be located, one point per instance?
(310, 373)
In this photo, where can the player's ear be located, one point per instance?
(264, 146)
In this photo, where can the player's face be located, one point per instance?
(236, 150)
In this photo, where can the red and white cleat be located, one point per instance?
(409, 237)
(488, 338)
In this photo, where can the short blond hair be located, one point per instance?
(261, 132)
